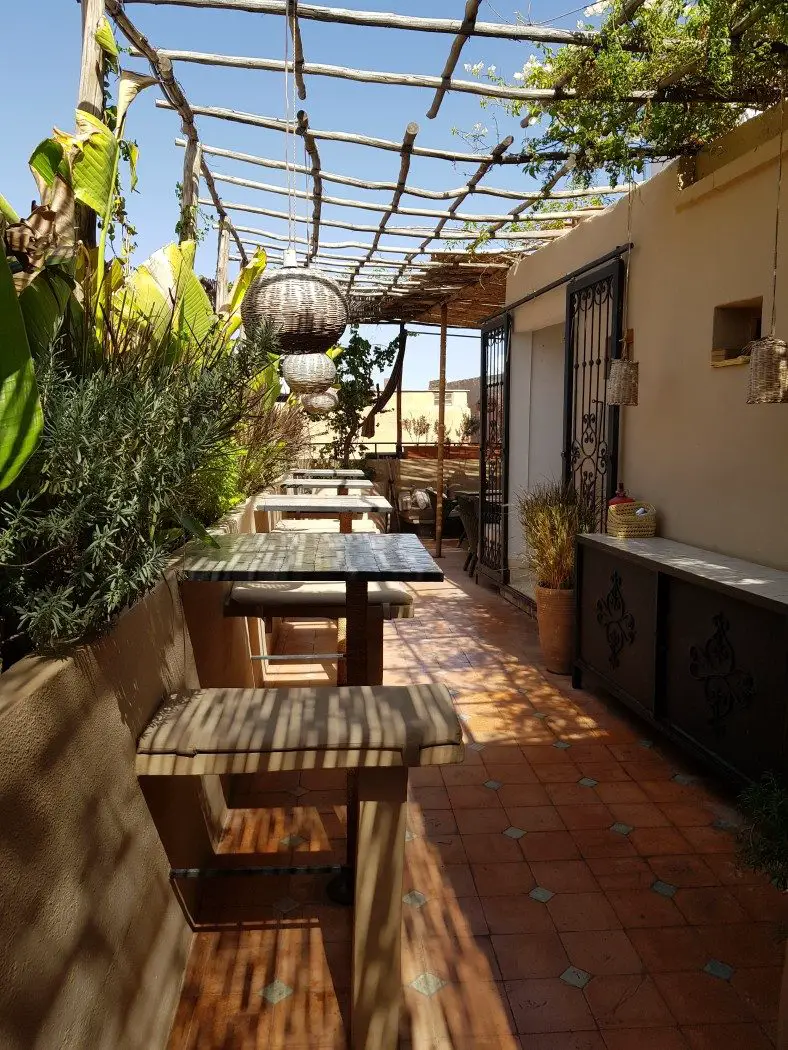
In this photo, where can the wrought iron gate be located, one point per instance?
(494, 452)
(592, 339)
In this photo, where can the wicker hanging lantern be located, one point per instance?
(320, 404)
(768, 371)
(308, 373)
(622, 383)
(305, 306)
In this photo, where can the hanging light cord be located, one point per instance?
(625, 318)
(777, 209)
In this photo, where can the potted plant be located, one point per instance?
(763, 846)
(552, 514)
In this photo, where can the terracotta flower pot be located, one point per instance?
(555, 615)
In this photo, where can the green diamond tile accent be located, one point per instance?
(724, 825)
(493, 785)
(576, 977)
(684, 778)
(648, 744)
(427, 984)
(514, 833)
(276, 991)
(719, 969)
(539, 893)
(291, 841)
(587, 782)
(621, 829)
(664, 889)
(561, 745)
(415, 899)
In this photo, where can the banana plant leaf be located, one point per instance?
(232, 309)
(44, 304)
(21, 418)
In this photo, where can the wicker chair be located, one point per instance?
(468, 506)
(451, 520)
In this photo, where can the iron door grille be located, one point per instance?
(494, 451)
(592, 340)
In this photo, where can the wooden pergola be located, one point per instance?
(449, 276)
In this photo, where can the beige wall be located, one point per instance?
(714, 466)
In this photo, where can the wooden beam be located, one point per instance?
(492, 232)
(331, 245)
(412, 191)
(346, 202)
(222, 253)
(469, 87)
(190, 191)
(387, 20)
(397, 231)
(90, 98)
(441, 433)
(161, 67)
(298, 49)
(381, 264)
(317, 182)
(626, 12)
(465, 31)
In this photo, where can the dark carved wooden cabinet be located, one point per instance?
(695, 642)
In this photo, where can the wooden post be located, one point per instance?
(441, 434)
(91, 98)
(402, 337)
(190, 191)
(222, 256)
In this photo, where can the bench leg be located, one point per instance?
(377, 915)
(345, 523)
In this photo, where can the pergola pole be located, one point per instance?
(402, 337)
(441, 434)
(190, 191)
(91, 98)
(222, 257)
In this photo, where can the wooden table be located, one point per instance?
(342, 484)
(344, 506)
(338, 472)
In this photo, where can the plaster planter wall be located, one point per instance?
(93, 944)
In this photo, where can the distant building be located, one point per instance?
(472, 386)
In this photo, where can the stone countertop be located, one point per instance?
(769, 586)
(310, 556)
(325, 504)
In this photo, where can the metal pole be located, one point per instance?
(441, 434)
(90, 98)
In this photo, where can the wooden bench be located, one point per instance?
(377, 731)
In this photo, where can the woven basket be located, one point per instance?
(308, 373)
(625, 524)
(320, 404)
(768, 371)
(306, 307)
(622, 383)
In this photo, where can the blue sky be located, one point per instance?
(32, 104)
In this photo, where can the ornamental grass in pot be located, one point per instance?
(552, 515)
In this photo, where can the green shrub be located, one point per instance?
(136, 449)
(763, 838)
(552, 515)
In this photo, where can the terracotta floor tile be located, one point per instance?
(602, 952)
(639, 814)
(582, 911)
(460, 918)
(502, 880)
(522, 955)
(491, 848)
(728, 870)
(430, 797)
(549, 845)
(709, 840)
(647, 770)
(567, 794)
(744, 944)
(620, 791)
(683, 871)
(671, 949)
(481, 821)
(645, 1039)
(518, 914)
(427, 776)
(709, 905)
(433, 822)
(602, 842)
(621, 873)
(535, 818)
(503, 754)
(627, 1001)
(523, 795)
(698, 998)
(546, 755)
(658, 842)
(449, 848)
(685, 815)
(459, 1015)
(608, 772)
(567, 773)
(564, 876)
(661, 790)
(578, 818)
(548, 1005)
(759, 987)
(763, 903)
(473, 796)
(457, 961)
(637, 908)
(509, 773)
(462, 774)
(564, 1041)
(726, 1037)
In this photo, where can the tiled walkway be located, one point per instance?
(572, 886)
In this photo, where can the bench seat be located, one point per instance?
(307, 600)
(231, 731)
(323, 525)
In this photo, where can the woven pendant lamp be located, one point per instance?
(308, 373)
(622, 383)
(305, 306)
(320, 404)
(768, 383)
